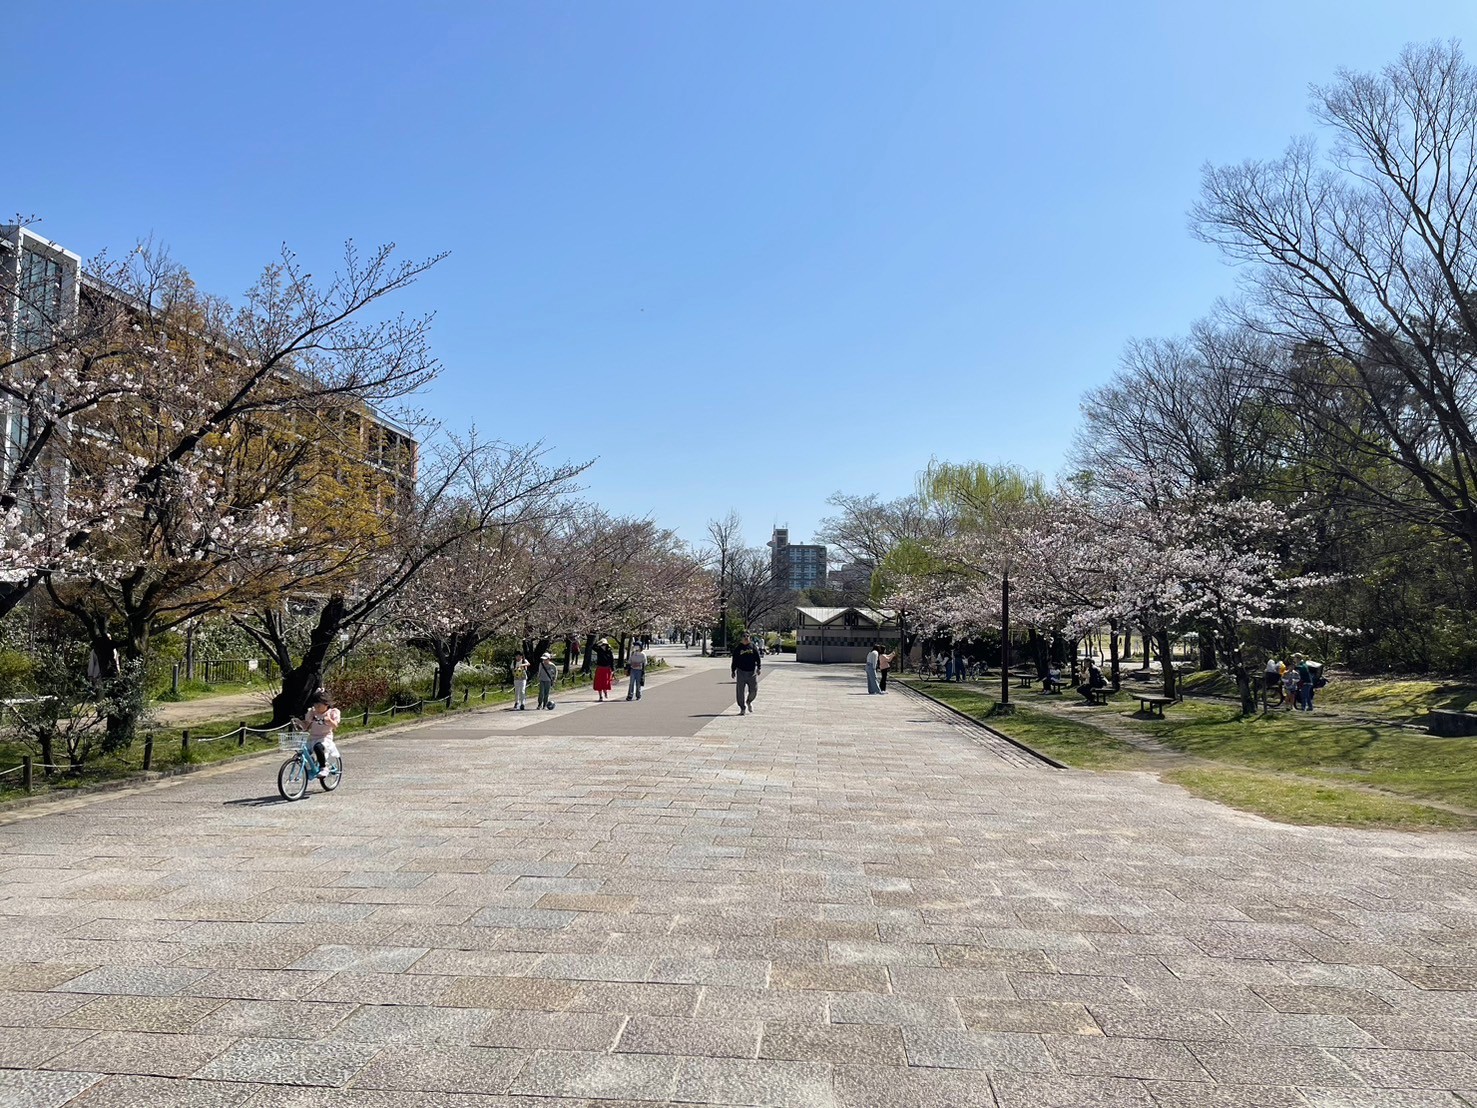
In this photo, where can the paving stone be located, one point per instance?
(289, 1062)
(168, 1092)
(894, 1010)
(382, 988)
(142, 1053)
(901, 1087)
(1155, 1059)
(598, 1076)
(983, 1050)
(23, 1047)
(994, 1014)
(850, 1044)
(525, 994)
(1414, 1033)
(587, 1031)
(1291, 1030)
(474, 963)
(38, 1009)
(38, 976)
(1142, 1021)
(256, 984)
(710, 971)
(407, 1023)
(1179, 1094)
(644, 999)
(41, 1088)
(134, 981)
(1395, 1069)
(275, 1019)
(753, 1082)
(444, 1067)
(359, 959)
(700, 1037)
(1240, 1064)
(959, 982)
(762, 1004)
(1023, 1090)
(140, 1013)
(828, 978)
(1321, 1000)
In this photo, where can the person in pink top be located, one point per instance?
(320, 723)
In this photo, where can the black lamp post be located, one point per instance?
(1005, 642)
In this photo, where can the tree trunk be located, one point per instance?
(298, 680)
(1243, 686)
(587, 663)
(1207, 648)
(1113, 652)
(1166, 663)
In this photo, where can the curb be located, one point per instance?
(967, 718)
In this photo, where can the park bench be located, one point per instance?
(1024, 678)
(1098, 696)
(1154, 705)
(1052, 686)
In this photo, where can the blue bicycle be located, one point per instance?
(301, 770)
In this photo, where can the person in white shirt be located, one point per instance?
(872, 659)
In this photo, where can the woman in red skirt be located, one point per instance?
(604, 668)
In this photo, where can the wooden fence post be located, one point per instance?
(26, 773)
(393, 709)
(184, 746)
(420, 708)
(241, 738)
(148, 751)
(466, 694)
(365, 721)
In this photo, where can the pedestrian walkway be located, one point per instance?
(841, 900)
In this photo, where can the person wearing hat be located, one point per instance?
(548, 673)
(604, 668)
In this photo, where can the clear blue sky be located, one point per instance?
(748, 254)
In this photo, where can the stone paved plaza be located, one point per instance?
(842, 900)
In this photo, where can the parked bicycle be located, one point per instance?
(302, 769)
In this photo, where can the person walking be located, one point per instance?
(520, 683)
(884, 663)
(636, 668)
(873, 656)
(604, 669)
(548, 673)
(744, 668)
(949, 666)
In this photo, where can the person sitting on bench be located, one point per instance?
(1094, 681)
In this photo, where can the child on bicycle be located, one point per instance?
(320, 723)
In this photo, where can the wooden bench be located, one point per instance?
(1053, 687)
(1098, 696)
(1154, 705)
(1024, 678)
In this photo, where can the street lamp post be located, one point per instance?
(1005, 643)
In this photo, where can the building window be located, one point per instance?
(40, 305)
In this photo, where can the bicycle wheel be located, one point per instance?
(292, 779)
(331, 776)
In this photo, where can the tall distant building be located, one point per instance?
(796, 565)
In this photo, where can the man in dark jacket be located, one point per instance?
(745, 671)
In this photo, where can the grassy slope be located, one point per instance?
(1285, 766)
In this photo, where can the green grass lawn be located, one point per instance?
(1079, 745)
(1285, 766)
(1386, 757)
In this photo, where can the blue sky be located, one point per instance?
(746, 254)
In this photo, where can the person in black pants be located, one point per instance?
(745, 671)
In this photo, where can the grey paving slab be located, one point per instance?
(41, 1088)
(840, 900)
(163, 1092)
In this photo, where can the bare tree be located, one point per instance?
(725, 537)
(755, 595)
(1367, 263)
